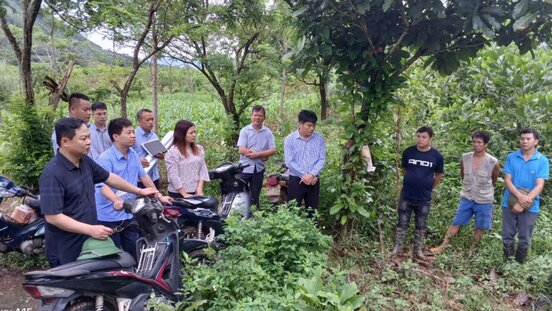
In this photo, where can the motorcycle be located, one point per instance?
(15, 235)
(276, 185)
(112, 283)
(197, 220)
(235, 192)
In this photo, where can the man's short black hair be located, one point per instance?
(117, 125)
(66, 127)
(140, 112)
(484, 136)
(98, 105)
(258, 108)
(307, 116)
(529, 130)
(425, 129)
(75, 97)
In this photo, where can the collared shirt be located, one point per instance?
(257, 141)
(100, 141)
(69, 190)
(525, 174)
(130, 169)
(185, 171)
(142, 137)
(304, 156)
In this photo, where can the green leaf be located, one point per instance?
(387, 4)
(362, 211)
(343, 219)
(363, 6)
(301, 43)
(349, 291)
(524, 21)
(335, 209)
(520, 9)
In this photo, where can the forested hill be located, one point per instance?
(55, 45)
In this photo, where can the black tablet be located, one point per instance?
(154, 147)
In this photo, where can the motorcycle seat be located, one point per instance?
(121, 260)
(196, 202)
(33, 203)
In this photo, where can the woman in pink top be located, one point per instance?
(185, 161)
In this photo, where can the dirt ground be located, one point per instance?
(12, 295)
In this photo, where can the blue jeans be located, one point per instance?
(420, 209)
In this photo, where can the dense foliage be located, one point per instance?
(264, 268)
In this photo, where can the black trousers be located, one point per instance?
(420, 209)
(296, 190)
(255, 181)
(155, 182)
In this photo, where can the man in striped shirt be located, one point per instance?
(305, 156)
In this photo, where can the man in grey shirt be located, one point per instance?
(255, 145)
(98, 131)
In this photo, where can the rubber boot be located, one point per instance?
(520, 254)
(417, 246)
(508, 251)
(399, 241)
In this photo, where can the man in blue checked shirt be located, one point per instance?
(305, 156)
(255, 146)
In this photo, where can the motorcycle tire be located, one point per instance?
(86, 306)
(201, 257)
(189, 232)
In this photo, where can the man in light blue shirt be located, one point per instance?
(255, 146)
(144, 133)
(98, 131)
(79, 108)
(524, 175)
(122, 160)
(305, 156)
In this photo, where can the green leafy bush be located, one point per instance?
(27, 144)
(260, 268)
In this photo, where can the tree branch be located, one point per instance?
(11, 39)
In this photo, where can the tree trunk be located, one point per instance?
(322, 89)
(283, 82)
(54, 100)
(154, 84)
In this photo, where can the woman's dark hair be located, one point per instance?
(179, 139)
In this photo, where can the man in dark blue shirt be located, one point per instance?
(423, 168)
(67, 193)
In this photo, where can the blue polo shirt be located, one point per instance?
(525, 174)
(69, 190)
(257, 141)
(142, 137)
(129, 169)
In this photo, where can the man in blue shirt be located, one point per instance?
(122, 160)
(524, 175)
(423, 168)
(98, 130)
(144, 133)
(67, 193)
(305, 156)
(255, 146)
(79, 108)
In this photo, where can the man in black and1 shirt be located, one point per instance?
(67, 193)
(422, 169)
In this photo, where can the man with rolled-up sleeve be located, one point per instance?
(305, 157)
